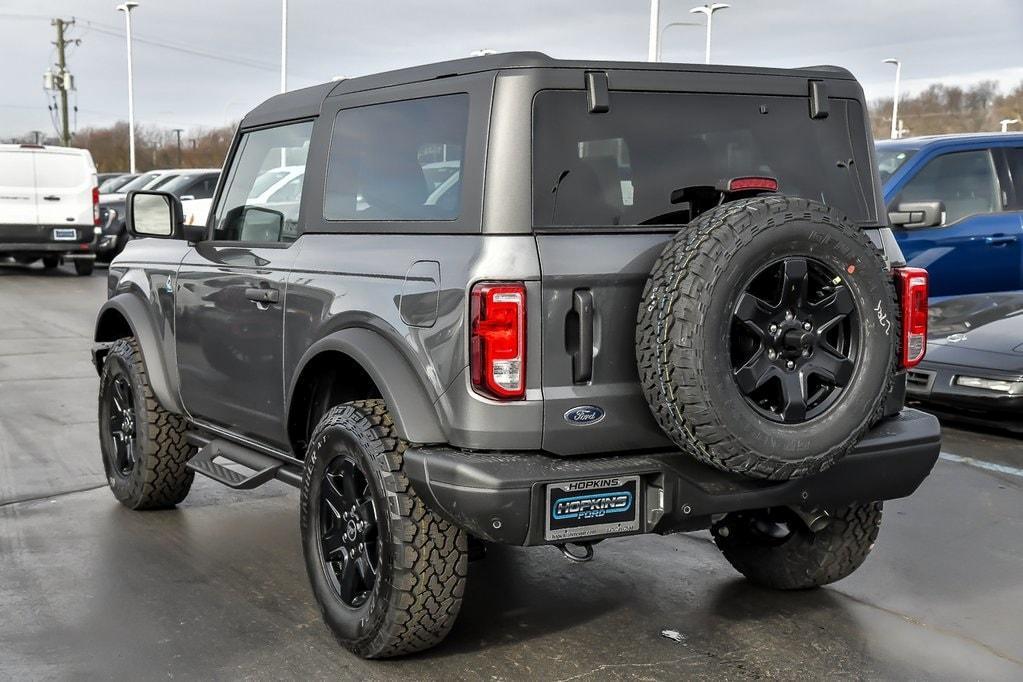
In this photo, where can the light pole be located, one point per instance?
(653, 48)
(1006, 122)
(895, 99)
(127, 8)
(284, 45)
(709, 11)
(660, 40)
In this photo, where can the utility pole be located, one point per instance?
(63, 80)
(178, 131)
(127, 8)
(896, 133)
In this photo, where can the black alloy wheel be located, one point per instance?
(794, 340)
(349, 536)
(123, 454)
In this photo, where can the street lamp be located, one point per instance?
(709, 11)
(127, 8)
(660, 41)
(653, 48)
(895, 99)
(1006, 122)
(284, 45)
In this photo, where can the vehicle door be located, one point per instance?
(1012, 175)
(975, 246)
(17, 187)
(230, 296)
(64, 184)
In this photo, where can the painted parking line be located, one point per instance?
(981, 464)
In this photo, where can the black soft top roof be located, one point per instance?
(307, 101)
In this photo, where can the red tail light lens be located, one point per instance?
(95, 205)
(753, 182)
(497, 339)
(913, 298)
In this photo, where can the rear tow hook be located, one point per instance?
(587, 554)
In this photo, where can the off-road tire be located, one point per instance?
(423, 559)
(160, 478)
(84, 268)
(50, 262)
(804, 559)
(683, 327)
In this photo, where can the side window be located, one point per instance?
(203, 188)
(243, 214)
(966, 182)
(1014, 156)
(398, 161)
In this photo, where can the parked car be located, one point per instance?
(973, 370)
(104, 177)
(48, 205)
(114, 184)
(191, 183)
(651, 324)
(955, 203)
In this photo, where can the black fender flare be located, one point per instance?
(414, 415)
(135, 313)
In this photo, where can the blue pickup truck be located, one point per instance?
(955, 203)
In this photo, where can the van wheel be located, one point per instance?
(774, 549)
(84, 267)
(143, 445)
(387, 574)
(50, 262)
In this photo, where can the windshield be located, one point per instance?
(140, 182)
(113, 184)
(162, 181)
(629, 166)
(890, 159)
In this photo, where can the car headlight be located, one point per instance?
(997, 385)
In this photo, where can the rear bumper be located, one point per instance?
(39, 240)
(501, 497)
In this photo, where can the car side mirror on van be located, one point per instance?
(912, 214)
(159, 215)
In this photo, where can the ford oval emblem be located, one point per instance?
(584, 415)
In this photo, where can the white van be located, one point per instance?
(49, 205)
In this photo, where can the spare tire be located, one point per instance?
(767, 337)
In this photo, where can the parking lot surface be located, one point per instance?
(216, 589)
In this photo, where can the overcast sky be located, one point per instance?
(206, 62)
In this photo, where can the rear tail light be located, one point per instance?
(913, 299)
(497, 339)
(95, 206)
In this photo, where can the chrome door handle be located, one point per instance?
(1000, 240)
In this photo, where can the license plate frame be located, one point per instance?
(65, 234)
(581, 509)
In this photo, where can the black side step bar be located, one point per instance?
(264, 467)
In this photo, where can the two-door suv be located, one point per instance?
(535, 302)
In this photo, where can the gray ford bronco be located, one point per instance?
(518, 300)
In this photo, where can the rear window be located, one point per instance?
(622, 167)
(398, 161)
(62, 171)
(16, 170)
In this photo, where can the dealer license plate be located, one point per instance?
(61, 234)
(603, 506)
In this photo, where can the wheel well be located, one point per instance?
(329, 379)
(112, 325)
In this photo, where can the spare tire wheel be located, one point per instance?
(767, 337)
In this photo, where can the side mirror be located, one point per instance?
(912, 214)
(159, 215)
(257, 224)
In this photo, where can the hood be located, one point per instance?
(992, 323)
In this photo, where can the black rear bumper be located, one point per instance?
(501, 497)
(38, 241)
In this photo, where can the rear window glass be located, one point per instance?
(398, 161)
(16, 169)
(622, 167)
(61, 171)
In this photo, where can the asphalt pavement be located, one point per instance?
(216, 589)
